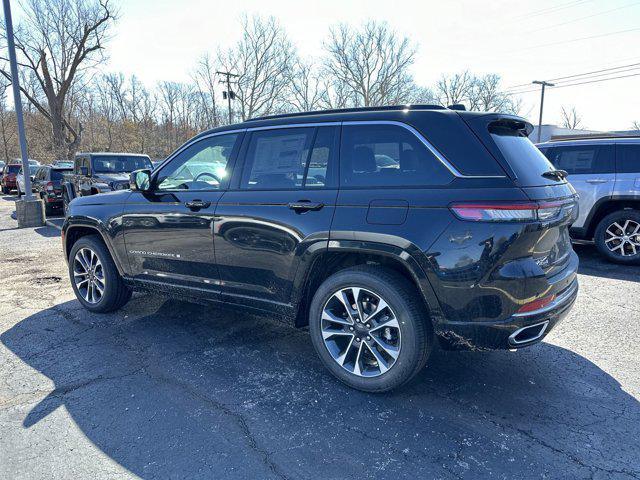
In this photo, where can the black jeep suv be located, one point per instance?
(382, 229)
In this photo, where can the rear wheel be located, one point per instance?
(94, 276)
(370, 328)
(617, 237)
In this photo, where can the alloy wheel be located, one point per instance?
(360, 331)
(88, 275)
(623, 238)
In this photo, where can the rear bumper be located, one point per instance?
(520, 330)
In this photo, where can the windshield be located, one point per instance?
(119, 163)
(527, 162)
(13, 168)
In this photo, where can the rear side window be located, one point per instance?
(387, 155)
(288, 158)
(582, 159)
(527, 162)
(57, 175)
(628, 158)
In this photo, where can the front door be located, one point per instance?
(280, 210)
(168, 230)
(591, 172)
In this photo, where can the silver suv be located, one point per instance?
(606, 174)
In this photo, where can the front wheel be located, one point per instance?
(370, 328)
(94, 276)
(617, 237)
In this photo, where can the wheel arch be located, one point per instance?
(324, 263)
(606, 206)
(72, 232)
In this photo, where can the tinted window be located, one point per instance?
(14, 168)
(119, 163)
(387, 155)
(58, 174)
(628, 158)
(201, 166)
(527, 162)
(277, 159)
(582, 159)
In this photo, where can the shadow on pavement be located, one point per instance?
(190, 391)
(594, 264)
(47, 231)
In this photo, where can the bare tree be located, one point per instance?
(263, 59)
(635, 125)
(455, 89)
(305, 88)
(372, 63)
(5, 131)
(206, 80)
(57, 40)
(570, 118)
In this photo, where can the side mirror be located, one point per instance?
(84, 171)
(140, 180)
(32, 177)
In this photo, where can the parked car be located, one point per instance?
(101, 172)
(463, 240)
(606, 174)
(47, 185)
(20, 184)
(9, 174)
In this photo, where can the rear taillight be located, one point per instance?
(508, 212)
(49, 187)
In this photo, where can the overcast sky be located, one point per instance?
(521, 41)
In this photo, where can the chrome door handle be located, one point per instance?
(597, 180)
(197, 204)
(303, 206)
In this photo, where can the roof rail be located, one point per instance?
(591, 136)
(352, 110)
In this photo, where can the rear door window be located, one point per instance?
(582, 159)
(628, 158)
(387, 155)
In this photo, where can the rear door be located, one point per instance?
(279, 209)
(591, 169)
(627, 169)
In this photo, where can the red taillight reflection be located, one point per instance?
(537, 304)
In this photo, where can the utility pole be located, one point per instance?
(544, 84)
(29, 211)
(228, 94)
(15, 83)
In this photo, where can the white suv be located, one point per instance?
(606, 174)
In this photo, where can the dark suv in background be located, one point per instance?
(382, 229)
(606, 174)
(94, 173)
(47, 185)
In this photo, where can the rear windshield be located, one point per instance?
(119, 163)
(13, 168)
(527, 162)
(58, 174)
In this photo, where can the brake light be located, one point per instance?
(507, 212)
(49, 187)
(536, 304)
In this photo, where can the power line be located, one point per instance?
(596, 81)
(584, 18)
(579, 39)
(611, 70)
(554, 9)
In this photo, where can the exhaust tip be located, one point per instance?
(528, 334)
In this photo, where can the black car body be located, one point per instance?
(47, 185)
(100, 172)
(465, 220)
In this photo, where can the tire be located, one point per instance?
(114, 292)
(5, 190)
(611, 227)
(412, 338)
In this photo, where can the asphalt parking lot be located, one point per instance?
(168, 389)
